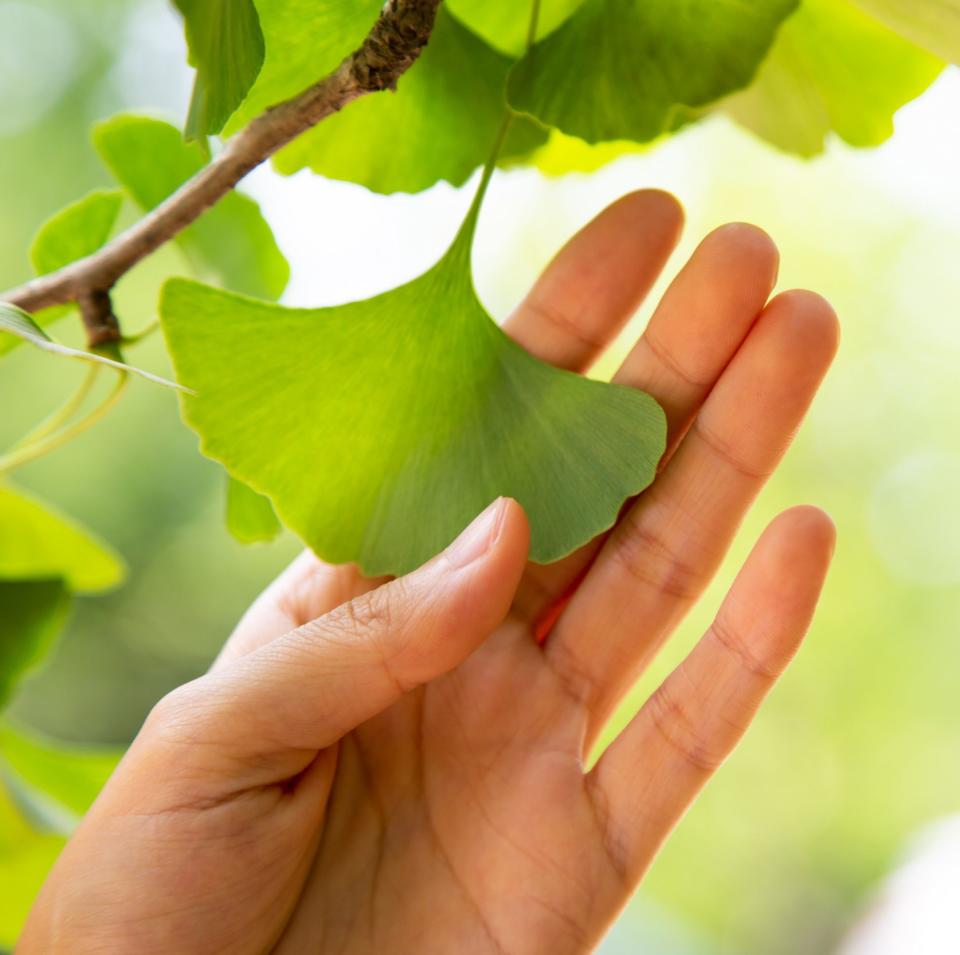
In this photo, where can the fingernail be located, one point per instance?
(479, 537)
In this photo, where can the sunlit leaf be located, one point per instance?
(832, 69)
(250, 516)
(305, 40)
(226, 48)
(378, 429)
(36, 542)
(17, 323)
(76, 231)
(31, 615)
(562, 154)
(440, 124)
(505, 24)
(231, 243)
(619, 69)
(932, 24)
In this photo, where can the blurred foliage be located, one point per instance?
(855, 749)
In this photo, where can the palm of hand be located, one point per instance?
(472, 790)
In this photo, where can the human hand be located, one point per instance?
(399, 767)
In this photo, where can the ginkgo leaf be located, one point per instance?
(439, 124)
(32, 613)
(380, 428)
(17, 323)
(76, 231)
(832, 69)
(231, 243)
(226, 48)
(620, 69)
(36, 542)
(251, 518)
(932, 24)
(505, 24)
(304, 41)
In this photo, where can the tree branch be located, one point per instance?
(392, 46)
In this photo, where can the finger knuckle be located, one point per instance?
(644, 553)
(677, 726)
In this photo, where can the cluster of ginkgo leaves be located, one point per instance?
(375, 430)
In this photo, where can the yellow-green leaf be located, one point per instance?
(440, 123)
(37, 542)
(379, 429)
(226, 48)
(624, 69)
(505, 24)
(832, 69)
(304, 40)
(931, 24)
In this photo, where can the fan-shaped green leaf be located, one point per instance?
(250, 516)
(438, 125)
(832, 68)
(305, 40)
(31, 615)
(36, 542)
(226, 48)
(380, 428)
(505, 24)
(620, 69)
(231, 243)
(932, 24)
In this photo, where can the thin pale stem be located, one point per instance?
(63, 414)
(467, 230)
(37, 449)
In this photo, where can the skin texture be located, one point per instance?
(400, 767)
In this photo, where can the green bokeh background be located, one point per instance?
(855, 750)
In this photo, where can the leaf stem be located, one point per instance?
(467, 230)
(50, 442)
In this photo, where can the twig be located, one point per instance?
(392, 46)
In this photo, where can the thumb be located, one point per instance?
(310, 687)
